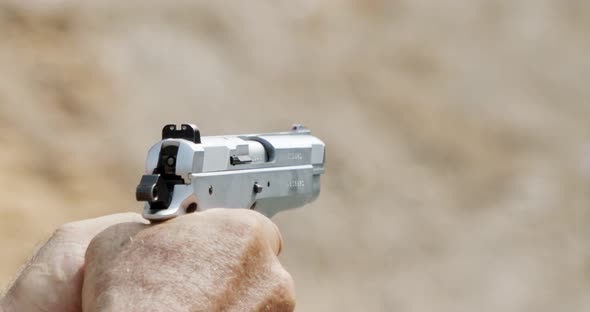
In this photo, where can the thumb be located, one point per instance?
(52, 279)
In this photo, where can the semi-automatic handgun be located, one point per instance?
(267, 172)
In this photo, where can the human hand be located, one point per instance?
(52, 279)
(216, 260)
(219, 259)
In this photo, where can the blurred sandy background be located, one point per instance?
(458, 134)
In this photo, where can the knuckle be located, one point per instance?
(106, 237)
(245, 221)
(93, 248)
(282, 296)
(67, 229)
(248, 232)
(286, 281)
(96, 243)
(257, 231)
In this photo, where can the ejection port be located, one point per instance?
(257, 152)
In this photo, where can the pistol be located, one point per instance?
(269, 172)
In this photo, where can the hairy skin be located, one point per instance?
(208, 261)
(52, 279)
(217, 260)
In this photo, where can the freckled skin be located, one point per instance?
(217, 260)
(209, 261)
(52, 279)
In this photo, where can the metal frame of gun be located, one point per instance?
(266, 172)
